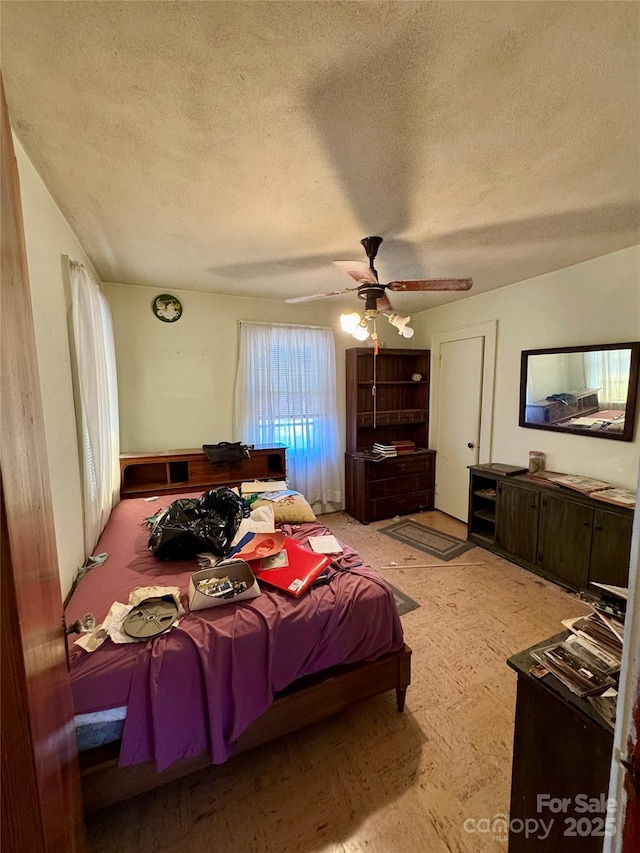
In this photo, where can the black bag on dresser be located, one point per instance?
(225, 452)
(191, 525)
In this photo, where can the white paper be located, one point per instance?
(618, 591)
(255, 486)
(586, 421)
(325, 544)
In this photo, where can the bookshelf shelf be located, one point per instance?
(398, 411)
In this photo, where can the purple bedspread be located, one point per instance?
(199, 686)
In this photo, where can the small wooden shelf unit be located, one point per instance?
(145, 474)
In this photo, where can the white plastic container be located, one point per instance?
(232, 569)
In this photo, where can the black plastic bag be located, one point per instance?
(191, 525)
(226, 452)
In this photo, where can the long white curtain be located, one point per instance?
(96, 360)
(285, 394)
(608, 371)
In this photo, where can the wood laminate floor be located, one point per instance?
(372, 779)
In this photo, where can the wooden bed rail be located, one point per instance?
(307, 701)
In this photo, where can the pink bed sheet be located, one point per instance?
(199, 686)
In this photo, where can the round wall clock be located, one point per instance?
(167, 308)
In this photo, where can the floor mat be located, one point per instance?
(404, 604)
(434, 542)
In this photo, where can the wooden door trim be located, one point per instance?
(45, 798)
(626, 744)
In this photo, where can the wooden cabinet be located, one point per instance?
(517, 522)
(561, 750)
(144, 474)
(610, 547)
(393, 486)
(564, 540)
(567, 537)
(574, 404)
(387, 399)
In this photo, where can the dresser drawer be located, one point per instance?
(401, 466)
(400, 486)
(401, 504)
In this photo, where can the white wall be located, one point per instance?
(48, 237)
(594, 302)
(176, 381)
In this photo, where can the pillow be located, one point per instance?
(293, 509)
(261, 520)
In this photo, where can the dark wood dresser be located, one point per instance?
(568, 537)
(393, 486)
(562, 752)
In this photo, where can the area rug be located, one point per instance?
(404, 604)
(434, 542)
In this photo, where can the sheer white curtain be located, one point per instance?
(608, 370)
(96, 361)
(285, 394)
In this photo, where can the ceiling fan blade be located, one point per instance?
(383, 304)
(358, 270)
(321, 295)
(432, 284)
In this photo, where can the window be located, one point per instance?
(608, 372)
(285, 394)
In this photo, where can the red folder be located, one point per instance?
(295, 578)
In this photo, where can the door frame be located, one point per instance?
(625, 810)
(41, 792)
(489, 332)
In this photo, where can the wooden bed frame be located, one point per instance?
(306, 701)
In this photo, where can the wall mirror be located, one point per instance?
(588, 390)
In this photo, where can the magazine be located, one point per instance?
(585, 485)
(575, 667)
(257, 546)
(619, 497)
(597, 639)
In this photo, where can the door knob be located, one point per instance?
(470, 445)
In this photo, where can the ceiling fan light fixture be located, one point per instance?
(401, 324)
(360, 333)
(349, 322)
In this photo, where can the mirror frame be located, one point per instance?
(630, 411)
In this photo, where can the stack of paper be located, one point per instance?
(256, 486)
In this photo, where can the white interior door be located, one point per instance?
(458, 429)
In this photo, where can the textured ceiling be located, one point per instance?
(240, 147)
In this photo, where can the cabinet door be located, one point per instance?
(564, 540)
(551, 741)
(610, 547)
(517, 521)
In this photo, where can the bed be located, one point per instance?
(226, 678)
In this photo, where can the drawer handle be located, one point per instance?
(402, 467)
